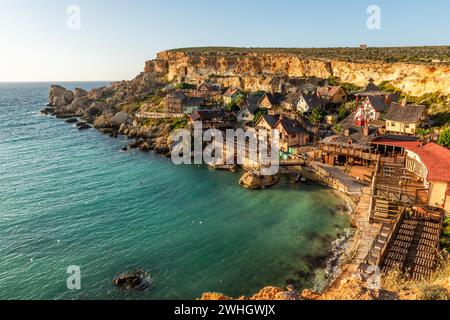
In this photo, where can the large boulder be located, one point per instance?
(103, 121)
(120, 119)
(97, 94)
(80, 103)
(60, 96)
(96, 109)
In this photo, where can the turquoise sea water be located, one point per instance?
(73, 198)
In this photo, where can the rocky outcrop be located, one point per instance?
(262, 71)
(252, 180)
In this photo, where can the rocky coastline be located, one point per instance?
(108, 110)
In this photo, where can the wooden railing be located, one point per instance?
(348, 151)
(158, 115)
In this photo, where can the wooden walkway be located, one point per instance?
(367, 233)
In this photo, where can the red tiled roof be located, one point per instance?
(435, 157)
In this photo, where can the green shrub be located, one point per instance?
(444, 138)
(259, 113)
(317, 115)
(233, 106)
(185, 86)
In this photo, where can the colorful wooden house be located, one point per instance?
(370, 110)
(292, 135)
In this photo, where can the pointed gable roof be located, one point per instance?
(329, 91)
(371, 90)
(405, 114)
(231, 92)
(313, 100)
(291, 126)
(378, 103)
(272, 121)
(291, 98)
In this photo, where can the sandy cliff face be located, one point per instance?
(254, 71)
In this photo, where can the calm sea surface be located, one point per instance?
(73, 198)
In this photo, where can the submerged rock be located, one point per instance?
(138, 280)
(48, 110)
(72, 120)
(83, 126)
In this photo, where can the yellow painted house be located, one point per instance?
(405, 119)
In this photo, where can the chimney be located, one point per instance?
(366, 131)
(404, 102)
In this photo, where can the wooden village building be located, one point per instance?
(351, 147)
(405, 119)
(267, 122)
(177, 103)
(231, 95)
(372, 90)
(292, 135)
(254, 103)
(301, 102)
(430, 163)
(209, 89)
(333, 94)
(213, 118)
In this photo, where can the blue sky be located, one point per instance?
(117, 36)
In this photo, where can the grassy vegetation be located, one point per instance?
(436, 288)
(131, 108)
(178, 123)
(418, 55)
(174, 123)
(185, 86)
(445, 238)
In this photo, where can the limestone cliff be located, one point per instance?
(265, 71)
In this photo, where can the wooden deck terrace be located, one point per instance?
(394, 187)
(349, 151)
